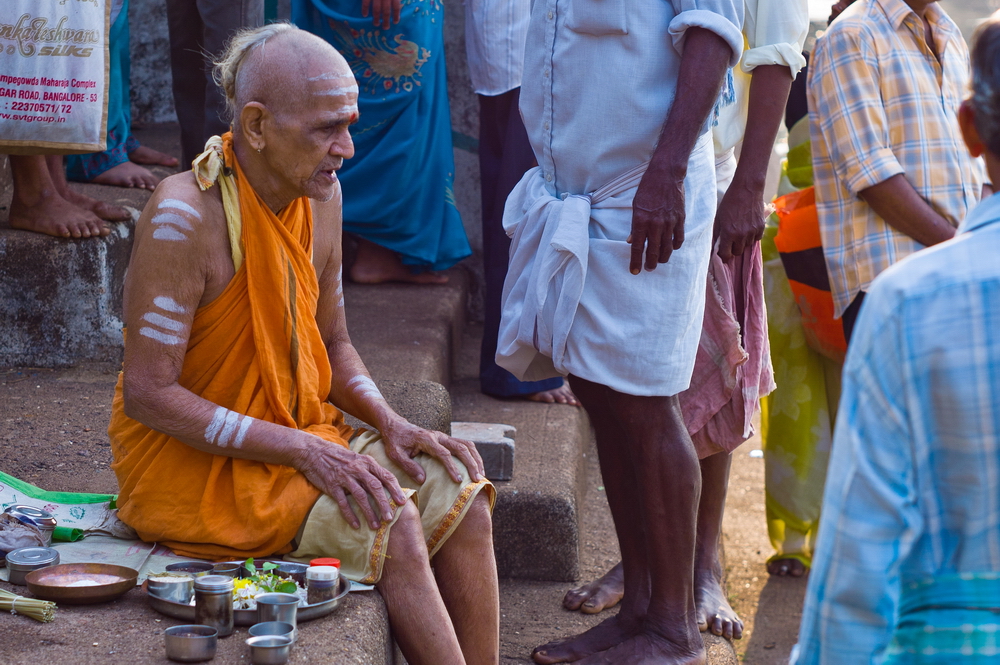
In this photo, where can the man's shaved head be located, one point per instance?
(277, 65)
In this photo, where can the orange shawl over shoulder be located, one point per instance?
(257, 350)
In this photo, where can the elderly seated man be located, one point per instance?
(226, 440)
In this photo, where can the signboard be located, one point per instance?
(53, 76)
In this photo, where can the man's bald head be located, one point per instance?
(279, 66)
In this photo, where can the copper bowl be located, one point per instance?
(81, 583)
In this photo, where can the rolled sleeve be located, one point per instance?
(723, 17)
(844, 95)
(776, 31)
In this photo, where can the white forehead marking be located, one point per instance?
(168, 233)
(340, 273)
(341, 303)
(172, 218)
(353, 108)
(163, 338)
(169, 304)
(179, 205)
(340, 289)
(163, 321)
(329, 76)
(334, 92)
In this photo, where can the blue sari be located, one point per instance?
(398, 187)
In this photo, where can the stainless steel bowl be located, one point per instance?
(196, 568)
(176, 588)
(279, 628)
(191, 643)
(269, 650)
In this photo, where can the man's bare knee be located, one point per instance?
(406, 538)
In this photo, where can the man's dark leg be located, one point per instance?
(653, 484)
(187, 67)
(714, 612)
(850, 316)
(221, 19)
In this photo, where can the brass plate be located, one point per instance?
(56, 582)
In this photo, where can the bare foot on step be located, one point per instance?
(560, 395)
(54, 216)
(603, 636)
(149, 157)
(375, 264)
(601, 594)
(714, 612)
(128, 174)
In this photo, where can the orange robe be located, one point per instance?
(257, 350)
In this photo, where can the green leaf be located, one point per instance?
(287, 586)
(252, 569)
(269, 566)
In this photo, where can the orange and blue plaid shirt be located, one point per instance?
(882, 103)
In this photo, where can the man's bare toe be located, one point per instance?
(560, 395)
(599, 595)
(106, 211)
(714, 611)
(790, 567)
(602, 636)
(149, 157)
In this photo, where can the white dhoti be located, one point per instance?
(570, 304)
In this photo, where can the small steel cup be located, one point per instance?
(269, 649)
(278, 628)
(227, 569)
(191, 643)
(277, 607)
(196, 568)
(292, 571)
(175, 589)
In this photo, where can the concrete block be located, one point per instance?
(424, 403)
(495, 444)
(61, 300)
(536, 521)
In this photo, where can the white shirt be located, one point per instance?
(495, 31)
(775, 31)
(600, 77)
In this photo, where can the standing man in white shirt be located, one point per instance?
(612, 235)
(733, 366)
(495, 31)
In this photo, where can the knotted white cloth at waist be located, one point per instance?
(570, 305)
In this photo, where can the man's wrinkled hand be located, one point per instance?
(739, 222)
(382, 11)
(657, 220)
(339, 472)
(405, 441)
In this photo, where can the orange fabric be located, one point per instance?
(257, 350)
(799, 224)
(798, 231)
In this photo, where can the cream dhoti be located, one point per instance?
(570, 304)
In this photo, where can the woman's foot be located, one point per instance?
(128, 174)
(148, 157)
(560, 395)
(375, 264)
(786, 567)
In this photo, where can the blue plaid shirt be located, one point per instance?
(913, 489)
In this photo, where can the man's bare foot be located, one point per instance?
(128, 174)
(714, 612)
(601, 594)
(375, 264)
(149, 157)
(106, 211)
(603, 636)
(55, 216)
(786, 567)
(648, 648)
(560, 395)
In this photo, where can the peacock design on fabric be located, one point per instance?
(381, 65)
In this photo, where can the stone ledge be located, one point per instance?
(495, 444)
(61, 300)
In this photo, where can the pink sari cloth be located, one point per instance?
(732, 370)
